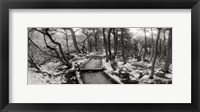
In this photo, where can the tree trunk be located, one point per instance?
(122, 45)
(152, 45)
(59, 46)
(160, 47)
(115, 41)
(89, 45)
(96, 41)
(67, 44)
(105, 44)
(145, 45)
(117, 46)
(109, 46)
(164, 46)
(74, 39)
(40, 48)
(168, 60)
(57, 43)
(54, 49)
(155, 55)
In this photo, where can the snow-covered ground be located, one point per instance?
(132, 72)
(55, 72)
(137, 72)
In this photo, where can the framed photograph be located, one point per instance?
(72, 55)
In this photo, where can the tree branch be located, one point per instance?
(40, 48)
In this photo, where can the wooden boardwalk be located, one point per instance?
(92, 72)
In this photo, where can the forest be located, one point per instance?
(68, 55)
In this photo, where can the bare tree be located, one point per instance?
(168, 60)
(95, 31)
(46, 32)
(155, 54)
(109, 46)
(54, 49)
(105, 43)
(40, 48)
(115, 36)
(122, 44)
(145, 44)
(67, 43)
(74, 39)
(152, 45)
(160, 47)
(164, 45)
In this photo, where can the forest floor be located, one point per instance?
(132, 72)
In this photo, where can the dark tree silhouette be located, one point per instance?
(105, 43)
(115, 36)
(109, 44)
(168, 60)
(152, 45)
(155, 54)
(122, 44)
(74, 39)
(56, 43)
(145, 45)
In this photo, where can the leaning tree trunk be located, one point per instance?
(152, 45)
(40, 48)
(105, 44)
(109, 46)
(155, 55)
(74, 40)
(54, 49)
(56, 43)
(59, 46)
(88, 42)
(145, 45)
(168, 60)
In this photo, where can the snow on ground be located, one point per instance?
(129, 72)
(39, 78)
(137, 71)
(107, 66)
(54, 71)
(51, 68)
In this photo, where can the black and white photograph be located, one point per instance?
(99, 55)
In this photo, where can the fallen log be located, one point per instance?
(82, 65)
(78, 77)
(114, 79)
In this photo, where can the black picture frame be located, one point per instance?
(5, 5)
